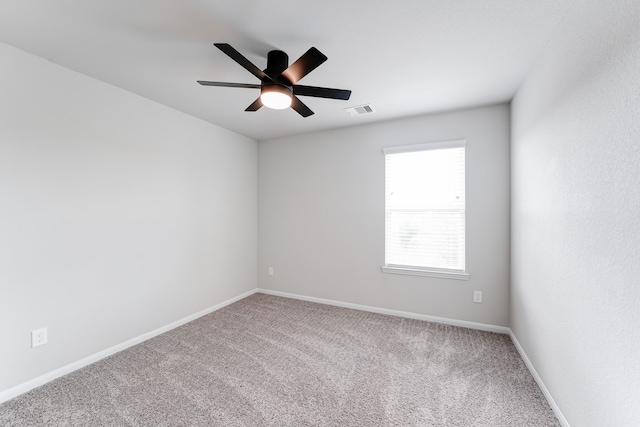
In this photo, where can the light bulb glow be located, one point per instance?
(276, 96)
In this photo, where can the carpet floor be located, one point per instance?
(273, 361)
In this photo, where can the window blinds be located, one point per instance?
(425, 206)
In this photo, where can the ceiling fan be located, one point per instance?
(278, 88)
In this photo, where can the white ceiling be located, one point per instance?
(405, 57)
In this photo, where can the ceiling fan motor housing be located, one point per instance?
(277, 62)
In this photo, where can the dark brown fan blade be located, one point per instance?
(255, 106)
(321, 92)
(224, 84)
(237, 56)
(299, 106)
(304, 65)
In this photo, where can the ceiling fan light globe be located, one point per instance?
(275, 96)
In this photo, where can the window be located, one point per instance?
(425, 210)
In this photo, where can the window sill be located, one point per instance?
(425, 272)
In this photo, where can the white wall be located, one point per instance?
(117, 215)
(575, 294)
(321, 216)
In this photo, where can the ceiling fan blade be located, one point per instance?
(224, 84)
(321, 92)
(255, 106)
(237, 56)
(304, 65)
(299, 106)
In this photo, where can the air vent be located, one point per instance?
(360, 110)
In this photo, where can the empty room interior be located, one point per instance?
(177, 251)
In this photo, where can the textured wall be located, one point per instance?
(575, 297)
(321, 216)
(117, 215)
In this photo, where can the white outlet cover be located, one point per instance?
(477, 296)
(38, 337)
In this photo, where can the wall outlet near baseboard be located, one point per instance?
(270, 271)
(38, 337)
(477, 296)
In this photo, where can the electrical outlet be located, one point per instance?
(38, 337)
(477, 296)
(270, 271)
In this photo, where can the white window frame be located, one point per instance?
(424, 271)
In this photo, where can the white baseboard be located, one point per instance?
(43, 379)
(444, 320)
(398, 313)
(543, 388)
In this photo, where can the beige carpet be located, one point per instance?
(271, 361)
